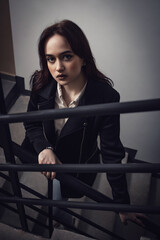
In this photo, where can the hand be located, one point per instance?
(47, 156)
(134, 217)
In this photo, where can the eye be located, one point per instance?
(67, 57)
(50, 59)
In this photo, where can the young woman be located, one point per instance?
(69, 78)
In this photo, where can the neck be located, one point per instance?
(70, 91)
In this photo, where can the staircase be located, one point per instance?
(16, 102)
(9, 233)
(142, 187)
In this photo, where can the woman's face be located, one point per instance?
(63, 64)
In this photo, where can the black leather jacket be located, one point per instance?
(77, 142)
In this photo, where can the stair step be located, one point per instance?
(67, 235)
(11, 233)
(7, 86)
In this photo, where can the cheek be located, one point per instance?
(76, 67)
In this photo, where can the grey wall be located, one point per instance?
(124, 36)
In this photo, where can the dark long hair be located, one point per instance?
(79, 45)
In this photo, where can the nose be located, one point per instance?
(59, 66)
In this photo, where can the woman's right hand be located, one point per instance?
(47, 156)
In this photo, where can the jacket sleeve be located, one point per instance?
(113, 152)
(34, 130)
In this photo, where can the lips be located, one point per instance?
(61, 76)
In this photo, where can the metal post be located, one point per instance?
(9, 156)
(50, 191)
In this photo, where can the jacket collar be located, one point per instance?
(89, 96)
(49, 90)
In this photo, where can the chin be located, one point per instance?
(64, 82)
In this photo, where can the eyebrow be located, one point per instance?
(65, 52)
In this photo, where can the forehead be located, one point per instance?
(57, 44)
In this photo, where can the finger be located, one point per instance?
(48, 175)
(123, 220)
(41, 160)
(53, 175)
(141, 215)
(45, 174)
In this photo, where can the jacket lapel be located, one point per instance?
(48, 95)
(74, 124)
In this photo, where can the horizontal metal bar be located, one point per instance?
(114, 168)
(90, 110)
(84, 205)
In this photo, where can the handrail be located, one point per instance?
(84, 205)
(90, 110)
(114, 168)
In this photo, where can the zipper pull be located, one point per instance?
(85, 124)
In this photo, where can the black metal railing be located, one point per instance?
(90, 110)
(9, 156)
(102, 202)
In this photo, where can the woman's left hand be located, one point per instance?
(134, 217)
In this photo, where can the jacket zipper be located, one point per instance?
(92, 155)
(82, 142)
(83, 136)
